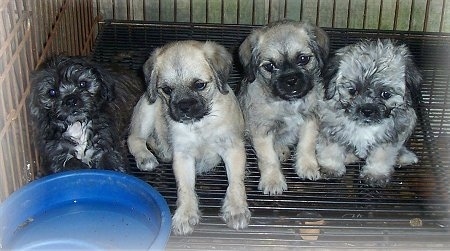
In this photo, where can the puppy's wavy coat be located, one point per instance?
(372, 89)
(81, 112)
(283, 63)
(190, 115)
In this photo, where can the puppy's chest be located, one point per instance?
(80, 134)
(202, 135)
(359, 139)
(287, 117)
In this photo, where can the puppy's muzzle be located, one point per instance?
(186, 110)
(371, 113)
(72, 101)
(292, 86)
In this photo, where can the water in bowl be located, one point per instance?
(85, 224)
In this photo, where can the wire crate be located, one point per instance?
(412, 211)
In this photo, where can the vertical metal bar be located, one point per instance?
(114, 9)
(396, 14)
(333, 19)
(301, 10)
(207, 8)
(441, 24)
(253, 12)
(411, 15)
(190, 11)
(222, 14)
(270, 10)
(317, 12)
(364, 14)
(159, 10)
(129, 10)
(427, 13)
(175, 11)
(238, 12)
(380, 15)
(348, 13)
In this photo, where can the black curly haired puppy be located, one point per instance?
(81, 112)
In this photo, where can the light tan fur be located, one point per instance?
(194, 143)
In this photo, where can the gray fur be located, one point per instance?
(279, 103)
(368, 111)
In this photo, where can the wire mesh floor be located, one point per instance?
(412, 211)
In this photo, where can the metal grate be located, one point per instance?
(412, 211)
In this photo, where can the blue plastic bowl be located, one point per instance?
(87, 209)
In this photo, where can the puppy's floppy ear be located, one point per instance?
(221, 62)
(36, 109)
(151, 76)
(46, 70)
(329, 75)
(413, 79)
(247, 55)
(319, 42)
(108, 81)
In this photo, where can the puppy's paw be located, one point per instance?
(332, 173)
(272, 183)
(73, 164)
(406, 157)
(184, 220)
(330, 169)
(147, 163)
(112, 161)
(307, 168)
(236, 216)
(375, 180)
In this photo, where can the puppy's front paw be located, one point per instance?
(236, 216)
(184, 220)
(375, 178)
(307, 168)
(330, 169)
(272, 183)
(73, 164)
(147, 163)
(406, 157)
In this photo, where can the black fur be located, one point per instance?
(72, 92)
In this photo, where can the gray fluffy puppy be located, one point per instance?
(279, 97)
(368, 113)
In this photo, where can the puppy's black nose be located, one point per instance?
(368, 110)
(186, 105)
(72, 100)
(291, 81)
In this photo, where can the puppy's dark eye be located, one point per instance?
(83, 84)
(351, 91)
(52, 93)
(303, 60)
(386, 95)
(199, 85)
(167, 90)
(269, 67)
